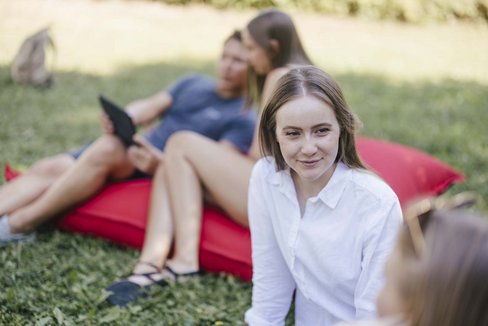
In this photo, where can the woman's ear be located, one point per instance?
(274, 47)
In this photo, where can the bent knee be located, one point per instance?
(106, 149)
(182, 140)
(52, 167)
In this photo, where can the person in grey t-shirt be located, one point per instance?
(197, 103)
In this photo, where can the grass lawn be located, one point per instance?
(423, 86)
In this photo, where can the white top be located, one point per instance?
(388, 321)
(333, 256)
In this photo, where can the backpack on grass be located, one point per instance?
(29, 65)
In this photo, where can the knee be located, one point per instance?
(105, 150)
(53, 166)
(180, 141)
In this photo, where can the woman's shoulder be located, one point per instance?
(193, 82)
(265, 165)
(275, 74)
(371, 183)
(265, 169)
(271, 81)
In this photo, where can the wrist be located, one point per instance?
(132, 116)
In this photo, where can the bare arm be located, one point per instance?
(147, 109)
(145, 157)
(142, 111)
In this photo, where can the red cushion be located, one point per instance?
(119, 212)
(10, 173)
(409, 172)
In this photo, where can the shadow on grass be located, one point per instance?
(445, 118)
(61, 277)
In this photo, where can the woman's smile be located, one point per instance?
(308, 134)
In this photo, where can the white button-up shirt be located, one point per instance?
(332, 257)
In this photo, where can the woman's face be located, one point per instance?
(308, 135)
(257, 57)
(389, 301)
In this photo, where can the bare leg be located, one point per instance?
(159, 230)
(157, 244)
(187, 210)
(32, 183)
(192, 160)
(105, 159)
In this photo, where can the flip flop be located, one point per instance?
(125, 291)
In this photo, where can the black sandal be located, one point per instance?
(179, 277)
(125, 291)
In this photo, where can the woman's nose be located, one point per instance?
(309, 146)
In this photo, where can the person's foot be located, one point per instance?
(129, 289)
(145, 275)
(6, 235)
(169, 274)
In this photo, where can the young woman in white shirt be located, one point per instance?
(322, 226)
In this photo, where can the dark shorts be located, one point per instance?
(137, 174)
(76, 153)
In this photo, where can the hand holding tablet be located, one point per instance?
(124, 128)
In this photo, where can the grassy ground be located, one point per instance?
(424, 86)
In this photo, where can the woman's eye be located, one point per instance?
(292, 133)
(323, 131)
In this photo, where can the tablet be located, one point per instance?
(124, 128)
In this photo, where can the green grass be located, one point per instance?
(423, 86)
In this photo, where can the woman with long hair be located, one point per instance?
(322, 225)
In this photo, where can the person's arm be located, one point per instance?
(145, 110)
(141, 111)
(145, 157)
(379, 243)
(273, 284)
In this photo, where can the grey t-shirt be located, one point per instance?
(198, 107)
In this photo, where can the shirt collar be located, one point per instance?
(331, 193)
(282, 179)
(334, 189)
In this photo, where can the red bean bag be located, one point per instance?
(119, 212)
(409, 172)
